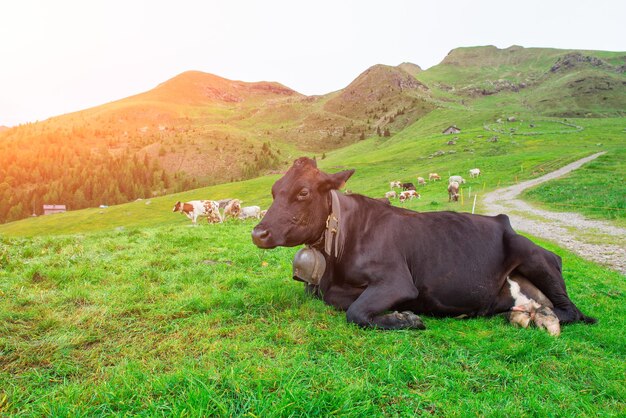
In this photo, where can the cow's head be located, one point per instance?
(300, 207)
(233, 207)
(177, 206)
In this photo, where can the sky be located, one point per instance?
(62, 56)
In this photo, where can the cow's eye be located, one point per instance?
(304, 193)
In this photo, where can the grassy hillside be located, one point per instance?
(550, 82)
(173, 320)
(200, 129)
(195, 129)
(523, 154)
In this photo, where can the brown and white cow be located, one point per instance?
(453, 192)
(384, 264)
(195, 208)
(408, 195)
(232, 209)
(433, 177)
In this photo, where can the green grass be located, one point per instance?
(598, 189)
(182, 321)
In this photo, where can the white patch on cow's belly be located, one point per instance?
(516, 293)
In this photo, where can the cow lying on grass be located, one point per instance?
(385, 264)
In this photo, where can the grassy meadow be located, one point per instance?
(128, 310)
(182, 321)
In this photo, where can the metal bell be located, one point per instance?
(309, 265)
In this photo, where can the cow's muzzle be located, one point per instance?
(262, 237)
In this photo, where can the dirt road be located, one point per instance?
(594, 240)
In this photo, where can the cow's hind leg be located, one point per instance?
(528, 305)
(543, 269)
(371, 308)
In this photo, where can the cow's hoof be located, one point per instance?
(546, 319)
(521, 319)
(412, 321)
(541, 315)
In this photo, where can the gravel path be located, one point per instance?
(594, 240)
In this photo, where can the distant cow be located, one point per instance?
(453, 192)
(408, 186)
(474, 172)
(458, 179)
(395, 184)
(421, 181)
(391, 195)
(433, 177)
(408, 195)
(384, 265)
(195, 208)
(223, 202)
(250, 212)
(232, 209)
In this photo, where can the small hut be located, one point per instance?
(50, 209)
(452, 129)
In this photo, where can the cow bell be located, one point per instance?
(309, 265)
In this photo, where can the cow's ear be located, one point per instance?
(337, 180)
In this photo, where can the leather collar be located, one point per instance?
(333, 230)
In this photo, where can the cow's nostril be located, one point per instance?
(260, 235)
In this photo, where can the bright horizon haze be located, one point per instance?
(64, 56)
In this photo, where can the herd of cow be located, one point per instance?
(211, 209)
(232, 207)
(409, 191)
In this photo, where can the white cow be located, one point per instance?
(391, 195)
(458, 179)
(250, 212)
(474, 172)
(397, 184)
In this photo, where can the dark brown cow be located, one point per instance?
(380, 258)
(408, 186)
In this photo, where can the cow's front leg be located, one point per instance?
(341, 297)
(371, 308)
